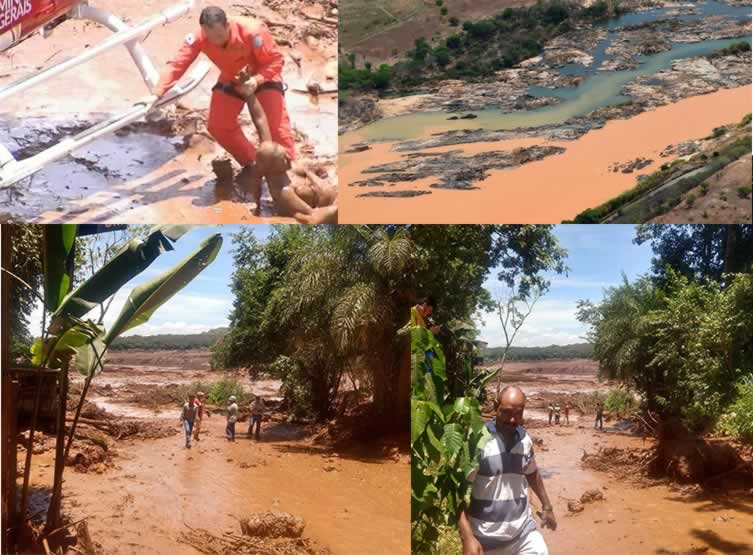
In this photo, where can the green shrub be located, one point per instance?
(618, 401)
(737, 420)
(454, 21)
(718, 131)
(294, 388)
(746, 120)
(704, 188)
(443, 11)
(220, 392)
(743, 192)
(690, 200)
(440, 2)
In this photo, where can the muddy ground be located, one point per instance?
(160, 170)
(637, 516)
(151, 495)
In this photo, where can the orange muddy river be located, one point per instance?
(545, 191)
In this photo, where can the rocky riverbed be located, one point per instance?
(454, 169)
(510, 89)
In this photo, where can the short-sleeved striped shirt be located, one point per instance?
(499, 510)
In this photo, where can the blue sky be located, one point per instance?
(597, 256)
(203, 304)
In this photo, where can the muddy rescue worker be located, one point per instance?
(599, 422)
(187, 418)
(257, 414)
(232, 416)
(557, 410)
(199, 402)
(236, 45)
(498, 520)
(551, 413)
(567, 413)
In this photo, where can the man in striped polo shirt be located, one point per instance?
(499, 520)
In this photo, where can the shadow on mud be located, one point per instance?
(713, 541)
(729, 502)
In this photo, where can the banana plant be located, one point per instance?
(446, 436)
(72, 342)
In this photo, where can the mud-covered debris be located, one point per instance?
(232, 544)
(223, 169)
(591, 495)
(575, 506)
(272, 525)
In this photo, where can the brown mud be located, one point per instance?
(637, 515)
(157, 497)
(160, 170)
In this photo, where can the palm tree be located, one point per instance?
(346, 296)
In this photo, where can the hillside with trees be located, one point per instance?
(576, 350)
(179, 342)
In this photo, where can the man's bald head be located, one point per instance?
(512, 395)
(510, 407)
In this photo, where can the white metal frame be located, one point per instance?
(12, 170)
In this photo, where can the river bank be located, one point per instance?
(524, 194)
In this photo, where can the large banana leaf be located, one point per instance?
(132, 259)
(57, 263)
(149, 296)
(70, 343)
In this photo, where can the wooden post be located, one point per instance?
(53, 512)
(8, 412)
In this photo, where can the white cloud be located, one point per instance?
(565, 283)
(552, 322)
(184, 313)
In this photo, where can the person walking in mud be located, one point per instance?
(257, 414)
(187, 418)
(232, 417)
(234, 45)
(551, 413)
(498, 520)
(199, 402)
(557, 411)
(599, 416)
(567, 413)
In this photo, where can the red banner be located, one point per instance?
(13, 12)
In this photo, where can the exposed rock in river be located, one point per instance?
(456, 170)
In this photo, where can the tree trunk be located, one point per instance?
(729, 248)
(403, 382)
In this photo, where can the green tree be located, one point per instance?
(442, 56)
(698, 251)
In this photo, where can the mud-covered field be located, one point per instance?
(147, 172)
(147, 493)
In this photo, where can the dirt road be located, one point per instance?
(353, 500)
(634, 519)
(157, 171)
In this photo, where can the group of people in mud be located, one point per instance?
(250, 65)
(555, 410)
(193, 413)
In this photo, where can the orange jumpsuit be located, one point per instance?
(251, 46)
